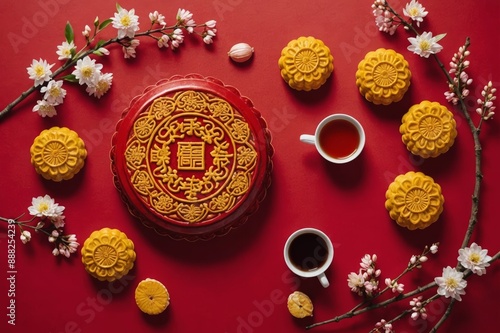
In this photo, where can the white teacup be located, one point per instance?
(308, 253)
(339, 138)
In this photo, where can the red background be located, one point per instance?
(239, 282)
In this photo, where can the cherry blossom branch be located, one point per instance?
(127, 24)
(419, 290)
(50, 222)
(388, 20)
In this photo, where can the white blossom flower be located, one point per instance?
(211, 24)
(156, 17)
(45, 206)
(39, 71)
(394, 285)
(100, 85)
(177, 38)
(64, 50)
(208, 36)
(163, 41)
(58, 221)
(129, 51)
(44, 109)
(185, 18)
(54, 93)
(126, 22)
(366, 261)
(86, 31)
(451, 283)
(25, 236)
(67, 246)
(86, 70)
(371, 286)
(355, 281)
(434, 248)
(474, 258)
(72, 243)
(424, 45)
(415, 11)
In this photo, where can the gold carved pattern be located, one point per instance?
(190, 157)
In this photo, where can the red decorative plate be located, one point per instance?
(191, 157)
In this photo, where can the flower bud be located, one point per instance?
(240, 52)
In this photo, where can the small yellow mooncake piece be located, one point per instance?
(300, 305)
(414, 200)
(151, 296)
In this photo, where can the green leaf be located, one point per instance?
(68, 33)
(439, 37)
(105, 23)
(97, 52)
(118, 7)
(96, 22)
(99, 44)
(70, 78)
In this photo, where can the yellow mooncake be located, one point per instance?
(306, 63)
(383, 76)
(414, 200)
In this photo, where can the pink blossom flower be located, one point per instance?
(129, 51)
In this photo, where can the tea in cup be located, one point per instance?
(308, 252)
(339, 138)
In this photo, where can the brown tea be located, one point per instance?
(308, 252)
(339, 138)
